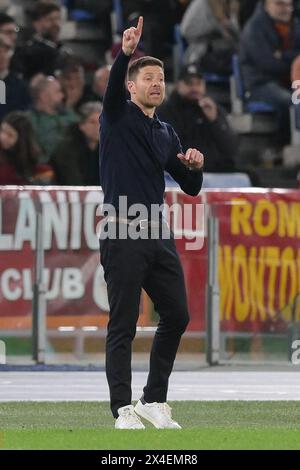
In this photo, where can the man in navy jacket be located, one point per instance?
(269, 44)
(17, 92)
(135, 149)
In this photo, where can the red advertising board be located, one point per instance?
(259, 257)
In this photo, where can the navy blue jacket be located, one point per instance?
(258, 44)
(17, 95)
(135, 149)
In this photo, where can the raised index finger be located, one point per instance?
(140, 25)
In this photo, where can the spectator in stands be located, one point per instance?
(269, 44)
(19, 153)
(199, 122)
(8, 29)
(49, 116)
(43, 53)
(211, 29)
(72, 79)
(10, 32)
(17, 93)
(100, 81)
(76, 158)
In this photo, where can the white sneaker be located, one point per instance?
(128, 419)
(159, 414)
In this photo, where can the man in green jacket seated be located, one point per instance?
(48, 116)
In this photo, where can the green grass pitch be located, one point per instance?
(206, 425)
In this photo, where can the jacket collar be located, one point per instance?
(155, 120)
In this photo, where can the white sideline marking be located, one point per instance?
(200, 385)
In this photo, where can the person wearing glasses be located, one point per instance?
(9, 29)
(43, 52)
(17, 96)
(270, 42)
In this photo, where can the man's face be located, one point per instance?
(148, 88)
(280, 10)
(101, 80)
(10, 32)
(73, 80)
(193, 88)
(53, 94)
(90, 127)
(49, 26)
(8, 136)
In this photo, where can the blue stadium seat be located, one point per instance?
(117, 8)
(217, 180)
(297, 116)
(180, 43)
(179, 48)
(81, 15)
(226, 180)
(252, 107)
(216, 78)
(77, 14)
(295, 125)
(170, 183)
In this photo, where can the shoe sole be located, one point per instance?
(130, 429)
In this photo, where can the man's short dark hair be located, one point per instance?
(6, 19)
(41, 9)
(69, 65)
(140, 63)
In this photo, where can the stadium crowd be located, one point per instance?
(49, 126)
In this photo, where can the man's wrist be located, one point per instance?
(195, 169)
(127, 52)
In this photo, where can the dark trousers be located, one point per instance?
(130, 265)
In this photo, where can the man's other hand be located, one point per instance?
(193, 159)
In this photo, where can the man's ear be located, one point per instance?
(131, 87)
